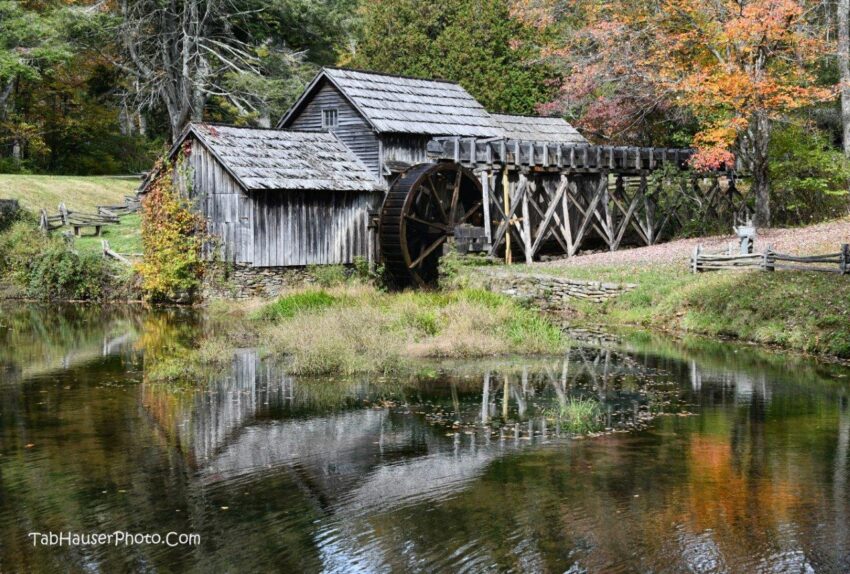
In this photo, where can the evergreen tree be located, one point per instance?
(477, 43)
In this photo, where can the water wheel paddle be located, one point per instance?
(420, 213)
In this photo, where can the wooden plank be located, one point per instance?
(485, 203)
(526, 220)
(508, 215)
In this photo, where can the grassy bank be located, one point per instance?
(356, 328)
(35, 192)
(124, 237)
(807, 312)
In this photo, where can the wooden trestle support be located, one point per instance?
(536, 194)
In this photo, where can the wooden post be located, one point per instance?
(505, 397)
(694, 266)
(767, 261)
(526, 224)
(845, 258)
(507, 202)
(485, 203)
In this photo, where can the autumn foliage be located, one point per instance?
(712, 74)
(173, 236)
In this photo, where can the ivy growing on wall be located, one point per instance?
(173, 236)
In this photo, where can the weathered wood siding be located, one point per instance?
(311, 227)
(404, 149)
(353, 129)
(224, 205)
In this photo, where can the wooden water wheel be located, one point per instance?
(421, 212)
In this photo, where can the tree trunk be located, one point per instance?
(17, 152)
(759, 141)
(844, 69)
(5, 95)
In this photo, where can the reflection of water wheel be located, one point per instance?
(420, 212)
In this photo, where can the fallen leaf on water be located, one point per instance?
(30, 445)
(225, 507)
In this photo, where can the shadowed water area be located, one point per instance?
(704, 458)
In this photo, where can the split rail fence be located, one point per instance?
(770, 260)
(78, 220)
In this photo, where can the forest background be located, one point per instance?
(101, 88)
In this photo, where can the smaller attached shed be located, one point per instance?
(277, 198)
(538, 129)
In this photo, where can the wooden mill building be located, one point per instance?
(381, 166)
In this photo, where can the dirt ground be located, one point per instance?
(811, 240)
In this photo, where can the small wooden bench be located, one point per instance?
(79, 226)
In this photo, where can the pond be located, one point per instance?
(706, 457)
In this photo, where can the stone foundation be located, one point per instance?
(238, 282)
(548, 292)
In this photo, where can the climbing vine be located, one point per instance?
(173, 236)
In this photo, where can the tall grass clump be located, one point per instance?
(579, 415)
(357, 329)
(291, 305)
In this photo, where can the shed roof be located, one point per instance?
(398, 104)
(281, 159)
(536, 128)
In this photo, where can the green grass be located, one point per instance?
(78, 193)
(355, 328)
(804, 311)
(578, 415)
(289, 306)
(124, 238)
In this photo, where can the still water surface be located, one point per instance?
(716, 459)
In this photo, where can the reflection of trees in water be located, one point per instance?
(39, 339)
(336, 475)
(366, 447)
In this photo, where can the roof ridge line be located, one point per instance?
(391, 75)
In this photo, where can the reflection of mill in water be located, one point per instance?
(256, 417)
(355, 461)
(745, 386)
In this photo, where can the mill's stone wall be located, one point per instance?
(240, 282)
(547, 291)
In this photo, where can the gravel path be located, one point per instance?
(812, 240)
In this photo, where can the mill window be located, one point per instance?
(330, 117)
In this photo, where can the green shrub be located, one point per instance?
(10, 215)
(46, 268)
(361, 269)
(809, 177)
(328, 275)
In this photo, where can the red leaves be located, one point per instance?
(629, 62)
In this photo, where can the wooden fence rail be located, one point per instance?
(106, 215)
(770, 260)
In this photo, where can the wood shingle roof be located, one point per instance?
(536, 128)
(285, 160)
(396, 104)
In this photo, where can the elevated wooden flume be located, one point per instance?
(560, 198)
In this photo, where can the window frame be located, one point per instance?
(334, 114)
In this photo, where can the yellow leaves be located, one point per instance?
(173, 236)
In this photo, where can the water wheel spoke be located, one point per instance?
(434, 198)
(469, 212)
(455, 196)
(431, 248)
(434, 224)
